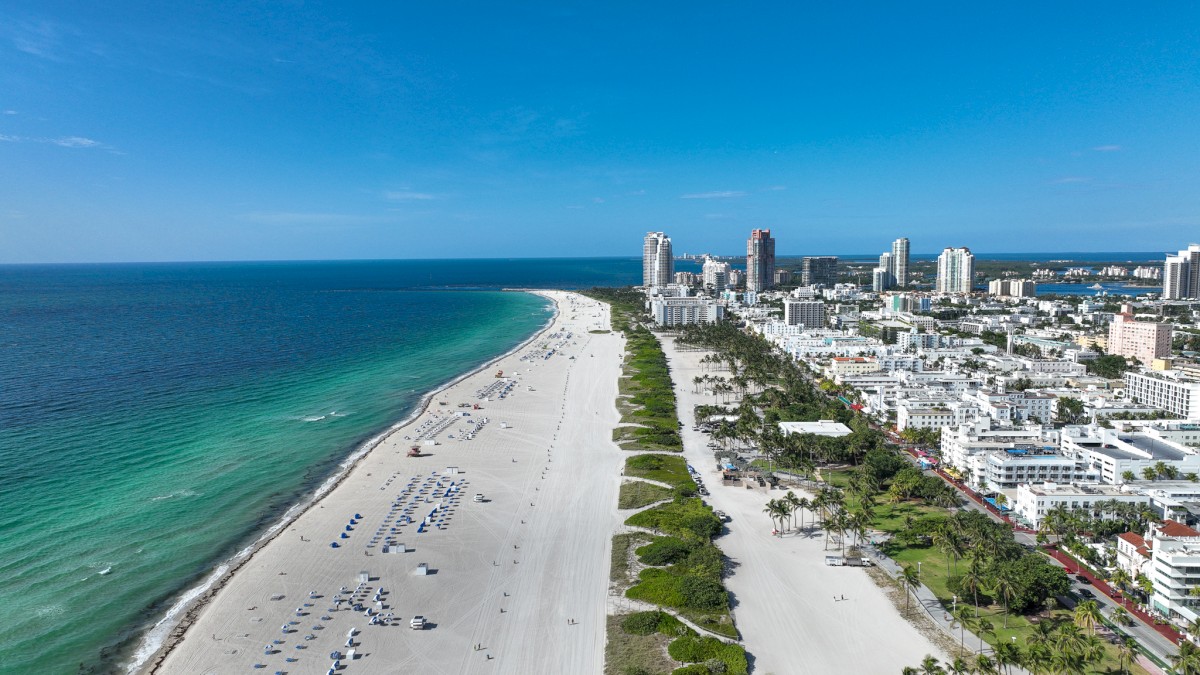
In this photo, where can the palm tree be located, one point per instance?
(1004, 588)
(985, 665)
(983, 627)
(959, 666)
(1126, 653)
(1120, 578)
(1187, 662)
(1120, 616)
(909, 579)
(1146, 586)
(1087, 615)
(931, 666)
(1008, 654)
(972, 581)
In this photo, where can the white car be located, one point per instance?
(478, 497)
(417, 623)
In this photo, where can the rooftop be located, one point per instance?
(820, 428)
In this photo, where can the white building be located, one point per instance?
(1175, 571)
(683, 311)
(1167, 390)
(956, 271)
(1010, 468)
(1034, 501)
(658, 264)
(965, 447)
(1112, 452)
(1181, 275)
(819, 428)
(715, 274)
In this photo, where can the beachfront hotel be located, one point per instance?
(658, 266)
(760, 261)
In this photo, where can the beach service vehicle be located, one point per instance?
(417, 623)
(478, 497)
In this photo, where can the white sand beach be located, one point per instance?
(516, 583)
(783, 594)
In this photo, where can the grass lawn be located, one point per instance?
(636, 494)
(933, 574)
(670, 469)
(624, 652)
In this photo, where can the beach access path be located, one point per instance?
(786, 602)
(516, 583)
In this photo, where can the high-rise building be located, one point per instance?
(658, 266)
(1143, 340)
(1181, 275)
(716, 275)
(956, 271)
(882, 277)
(760, 261)
(1015, 288)
(893, 267)
(900, 261)
(816, 270)
(783, 277)
(807, 313)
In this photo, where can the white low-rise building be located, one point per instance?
(1010, 468)
(668, 311)
(965, 448)
(1034, 501)
(1167, 390)
(819, 428)
(1113, 453)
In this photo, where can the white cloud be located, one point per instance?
(723, 194)
(10, 112)
(1107, 148)
(10, 139)
(408, 196)
(1070, 179)
(75, 142)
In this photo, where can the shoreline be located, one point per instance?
(158, 641)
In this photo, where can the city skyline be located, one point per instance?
(243, 132)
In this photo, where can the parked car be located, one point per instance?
(417, 623)
(478, 497)
(1082, 579)
(1085, 593)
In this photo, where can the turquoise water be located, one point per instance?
(155, 419)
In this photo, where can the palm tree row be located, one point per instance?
(1054, 648)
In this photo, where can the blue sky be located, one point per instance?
(142, 131)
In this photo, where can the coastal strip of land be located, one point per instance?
(497, 534)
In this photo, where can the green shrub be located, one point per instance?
(701, 593)
(689, 518)
(658, 586)
(696, 650)
(642, 623)
(665, 551)
(692, 649)
(693, 669)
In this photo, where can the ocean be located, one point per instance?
(157, 418)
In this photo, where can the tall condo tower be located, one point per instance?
(819, 269)
(900, 261)
(1181, 275)
(881, 277)
(956, 271)
(658, 265)
(760, 261)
